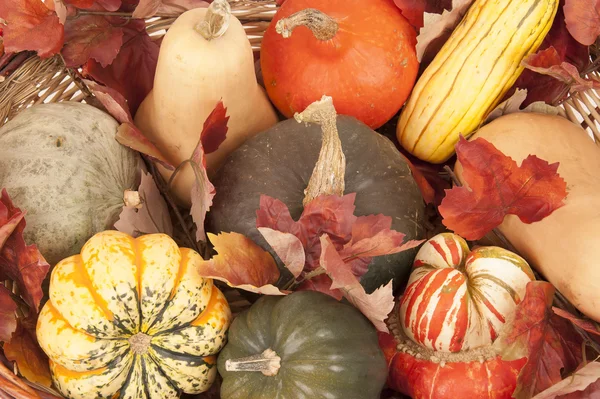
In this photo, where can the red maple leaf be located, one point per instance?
(498, 187)
(413, 10)
(30, 25)
(546, 88)
(20, 262)
(8, 319)
(585, 324)
(548, 62)
(583, 20)
(215, 129)
(91, 36)
(549, 342)
(24, 350)
(132, 71)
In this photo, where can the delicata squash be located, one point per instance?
(472, 72)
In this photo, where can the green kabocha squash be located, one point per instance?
(279, 162)
(61, 163)
(304, 345)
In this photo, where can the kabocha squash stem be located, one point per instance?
(216, 20)
(267, 363)
(328, 175)
(321, 25)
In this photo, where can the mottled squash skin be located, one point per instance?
(61, 163)
(328, 349)
(132, 318)
(279, 163)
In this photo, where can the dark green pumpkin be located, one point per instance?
(328, 349)
(279, 163)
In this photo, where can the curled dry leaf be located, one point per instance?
(288, 247)
(61, 10)
(585, 324)
(152, 216)
(438, 27)
(583, 20)
(581, 384)
(148, 8)
(130, 136)
(112, 100)
(24, 350)
(498, 187)
(30, 25)
(547, 62)
(19, 262)
(513, 104)
(241, 264)
(8, 319)
(413, 10)
(139, 54)
(91, 36)
(214, 131)
(549, 342)
(375, 306)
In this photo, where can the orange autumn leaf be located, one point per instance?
(24, 350)
(497, 186)
(241, 264)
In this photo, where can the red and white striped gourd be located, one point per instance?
(132, 318)
(453, 309)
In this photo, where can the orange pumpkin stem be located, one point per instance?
(328, 175)
(267, 363)
(321, 25)
(216, 20)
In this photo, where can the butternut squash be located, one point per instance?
(204, 57)
(469, 76)
(565, 246)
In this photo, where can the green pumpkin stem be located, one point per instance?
(321, 25)
(267, 363)
(216, 20)
(328, 175)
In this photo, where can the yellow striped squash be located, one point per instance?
(132, 318)
(472, 72)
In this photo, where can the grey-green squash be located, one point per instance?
(61, 163)
(306, 345)
(279, 162)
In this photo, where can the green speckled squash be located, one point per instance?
(131, 318)
(61, 163)
(306, 345)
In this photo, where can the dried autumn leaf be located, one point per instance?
(30, 25)
(288, 247)
(14, 386)
(498, 187)
(132, 71)
(241, 264)
(326, 214)
(438, 27)
(549, 342)
(130, 136)
(112, 100)
(8, 319)
(150, 216)
(513, 105)
(19, 262)
(61, 10)
(413, 10)
(375, 306)
(547, 62)
(148, 8)
(581, 384)
(583, 20)
(91, 36)
(214, 131)
(24, 350)
(320, 283)
(585, 324)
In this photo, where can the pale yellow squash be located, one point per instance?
(192, 75)
(565, 246)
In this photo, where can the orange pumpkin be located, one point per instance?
(361, 53)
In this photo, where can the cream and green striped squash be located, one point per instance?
(132, 318)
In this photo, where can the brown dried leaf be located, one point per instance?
(583, 383)
(8, 318)
(288, 247)
(31, 360)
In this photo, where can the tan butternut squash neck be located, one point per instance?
(216, 20)
(328, 175)
(321, 25)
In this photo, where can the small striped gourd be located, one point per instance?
(452, 311)
(471, 73)
(132, 318)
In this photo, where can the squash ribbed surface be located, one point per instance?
(132, 316)
(472, 72)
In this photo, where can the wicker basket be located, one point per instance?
(37, 80)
